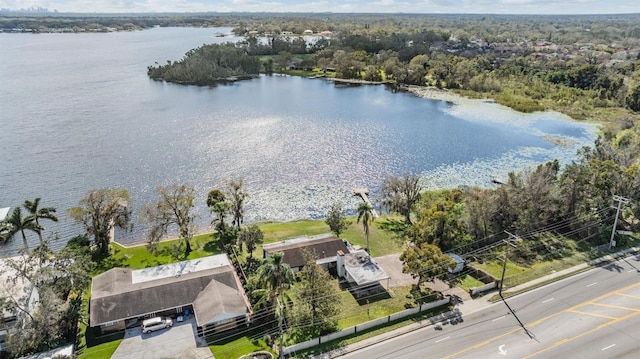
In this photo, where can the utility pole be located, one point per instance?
(621, 200)
(504, 269)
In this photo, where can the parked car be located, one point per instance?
(152, 324)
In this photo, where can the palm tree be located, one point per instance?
(218, 204)
(365, 213)
(275, 276)
(37, 213)
(15, 223)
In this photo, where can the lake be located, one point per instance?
(78, 112)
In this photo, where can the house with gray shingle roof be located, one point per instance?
(208, 288)
(324, 246)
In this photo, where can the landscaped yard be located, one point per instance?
(382, 242)
(137, 257)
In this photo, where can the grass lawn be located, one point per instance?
(467, 282)
(90, 347)
(353, 313)
(495, 268)
(138, 257)
(99, 351)
(239, 346)
(382, 239)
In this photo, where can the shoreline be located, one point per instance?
(434, 93)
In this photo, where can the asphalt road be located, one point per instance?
(595, 314)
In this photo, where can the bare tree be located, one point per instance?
(173, 208)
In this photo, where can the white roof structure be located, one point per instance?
(363, 269)
(459, 263)
(4, 212)
(180, 268)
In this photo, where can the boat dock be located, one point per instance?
(364, 194)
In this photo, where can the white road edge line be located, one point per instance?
(592, 284)
(495, 320)
(547, 301)
(609, 347)
(443, 339)
(633, 270)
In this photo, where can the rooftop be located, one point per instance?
(179, 269)
(210, 284)
(324, 246)
(363, 269)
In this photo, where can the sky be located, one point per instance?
(338, 6)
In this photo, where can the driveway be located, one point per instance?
(179, 341)
(393, 266)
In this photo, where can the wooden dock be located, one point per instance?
(364, 194)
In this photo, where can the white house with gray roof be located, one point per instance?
(362, 272)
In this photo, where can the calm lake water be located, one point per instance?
(77, 112)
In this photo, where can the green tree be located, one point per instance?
(633, 100)
(425, 261)
(218, 204)
(173, 208)
(40, 213)
(15, 224)
(100, 212)
(365, 214)
(317, 305)
(400, 194)
(336, 219)
(236, 196)
(274, 278)
(251, 236)
(442, 221)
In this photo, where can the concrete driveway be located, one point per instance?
(393, 266)
(179, 341)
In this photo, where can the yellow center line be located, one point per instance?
(628, 295)
(532, 324)
(592, 314)
(564, 341)
(615, 306)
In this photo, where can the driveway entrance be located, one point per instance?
(179, 341)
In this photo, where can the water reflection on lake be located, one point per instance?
(79, 113)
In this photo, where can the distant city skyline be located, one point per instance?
(542, 7)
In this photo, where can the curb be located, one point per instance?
(396, 333)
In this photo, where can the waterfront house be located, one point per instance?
(324, 246)
(207, 288)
